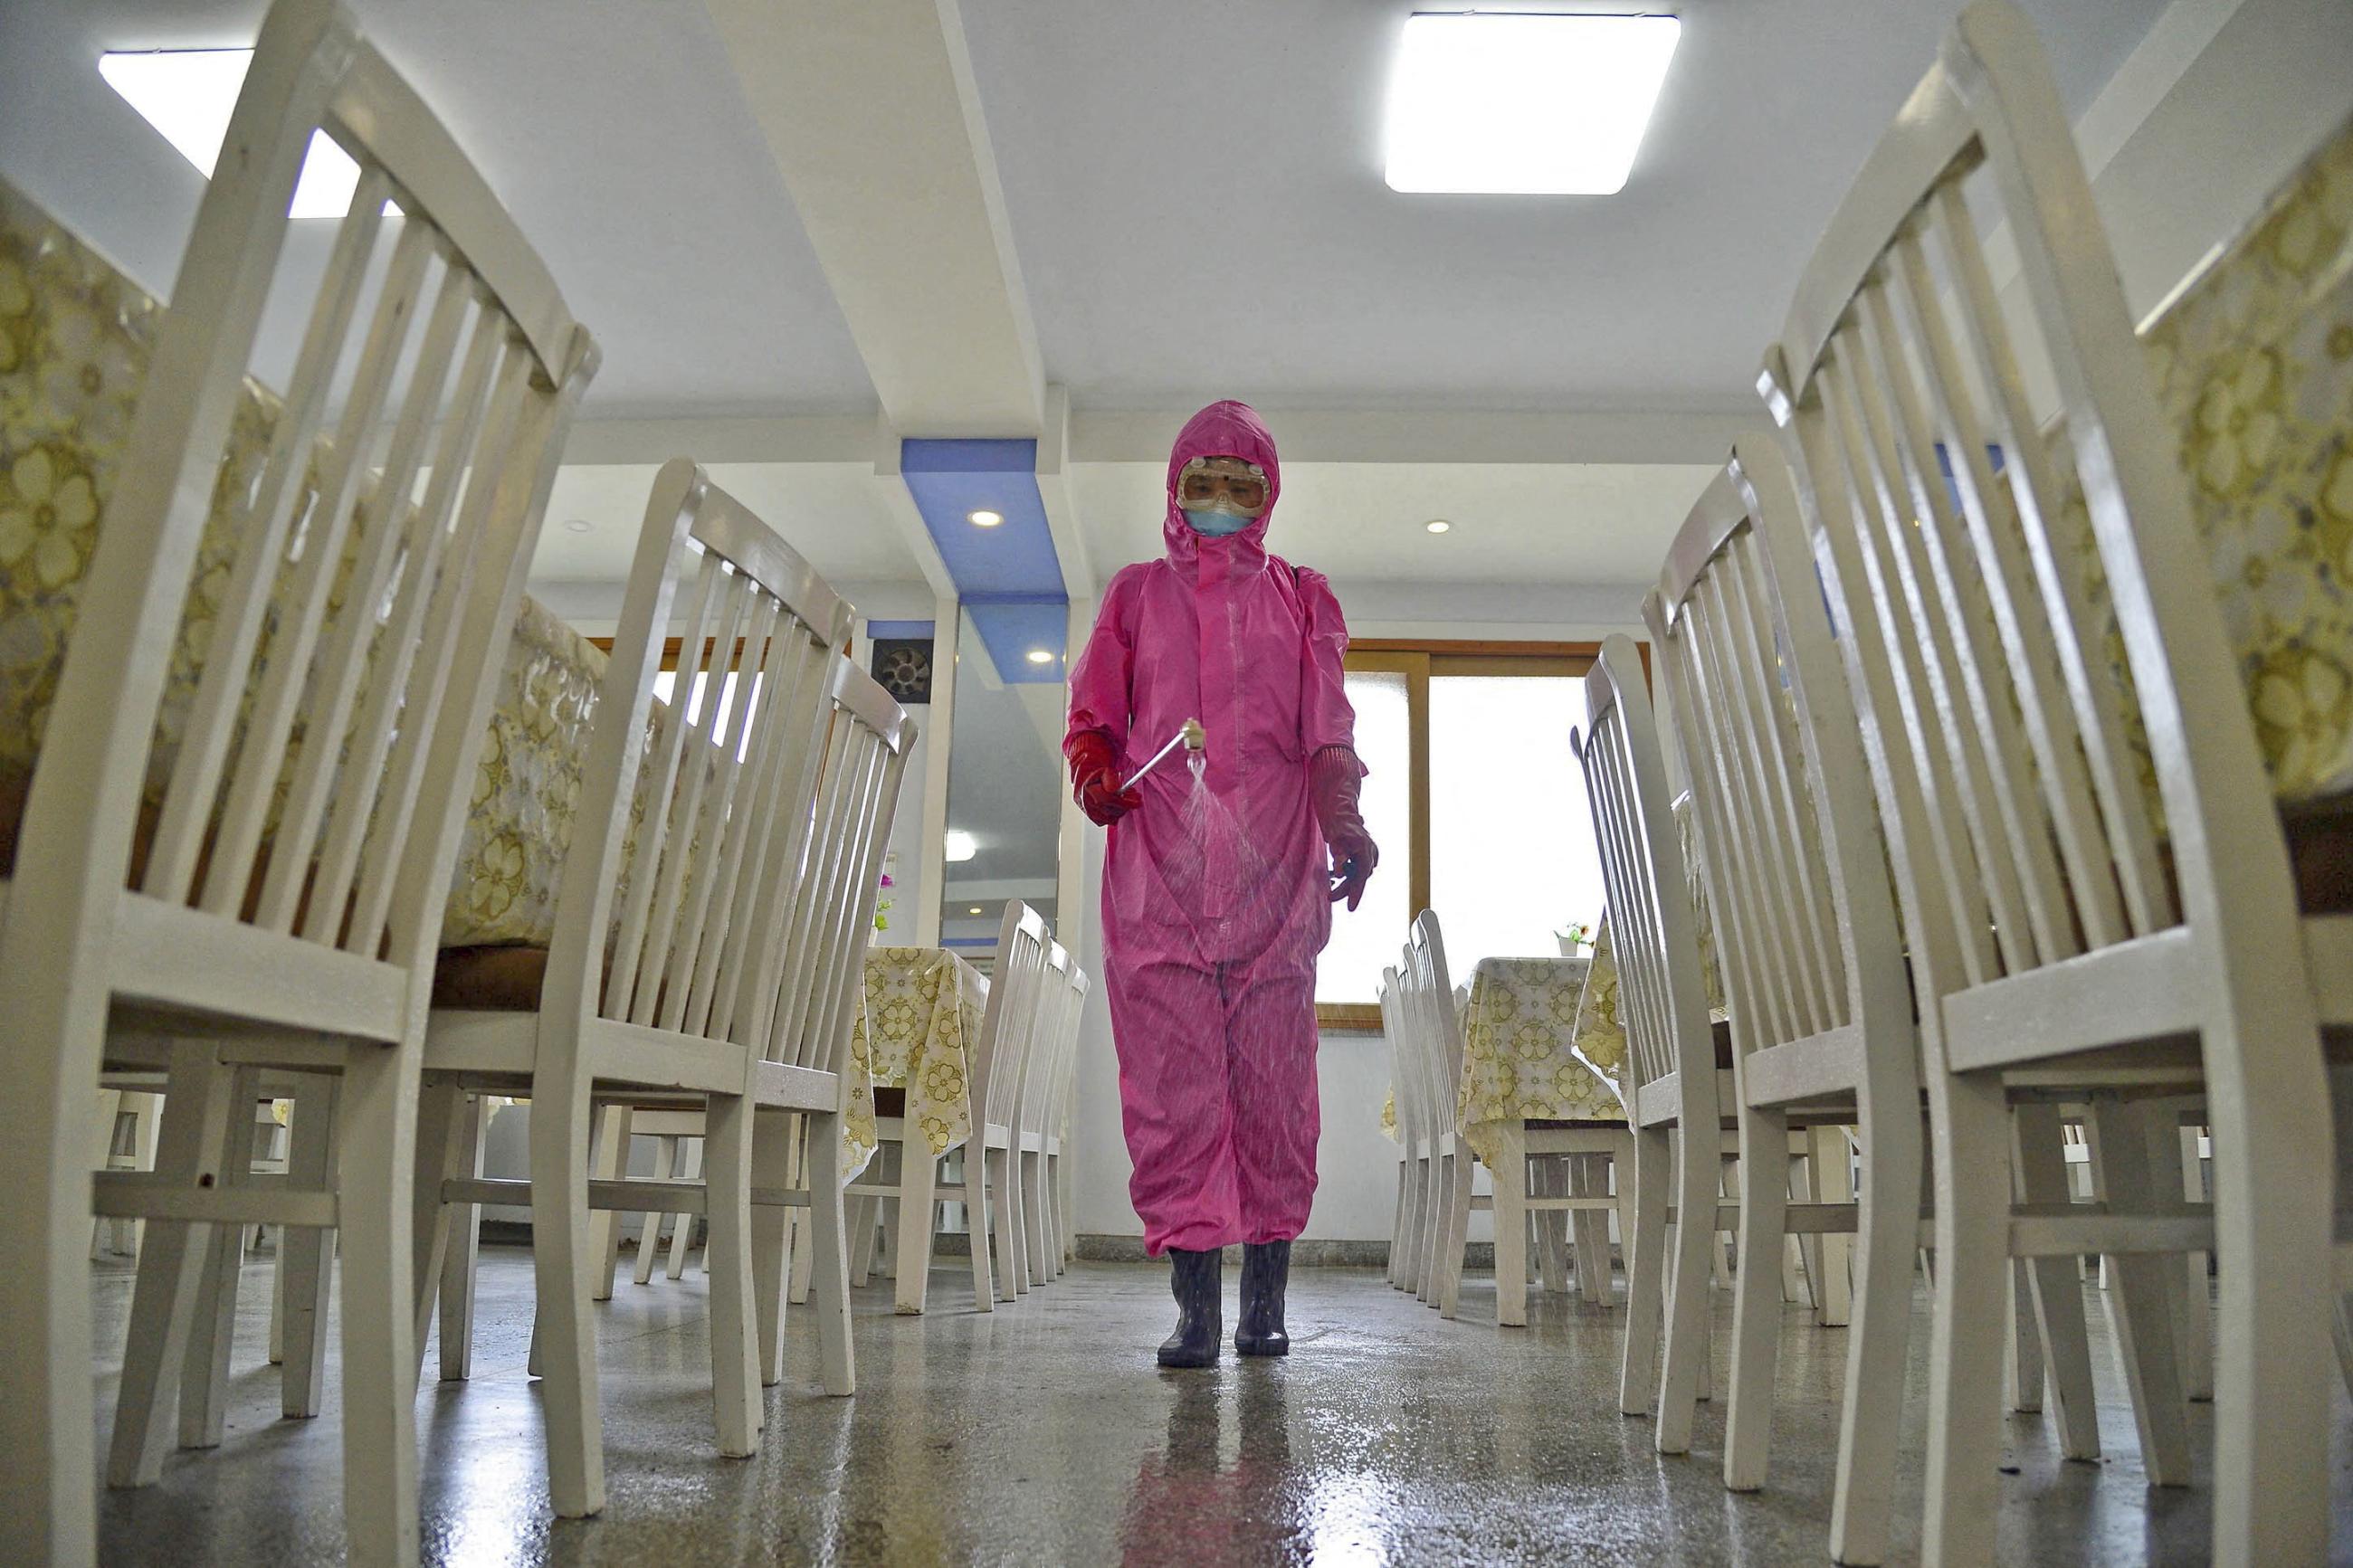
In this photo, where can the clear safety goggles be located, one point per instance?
(1222, 484)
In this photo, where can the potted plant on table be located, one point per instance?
(1576, 940)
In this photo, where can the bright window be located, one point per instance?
(1477, 804)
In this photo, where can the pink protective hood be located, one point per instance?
(1223, 429)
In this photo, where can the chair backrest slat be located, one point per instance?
(673, 915)
(1653, 929)
(1742, 642)
(1005, 1021)
(2019, 667)
(312, 781)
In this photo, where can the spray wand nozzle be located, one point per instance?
(1190, 735)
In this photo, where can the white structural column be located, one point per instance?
(874, 119)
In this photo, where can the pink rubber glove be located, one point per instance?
(1094, 778)
(1333, 776)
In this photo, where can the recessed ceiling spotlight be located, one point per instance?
(1438, 525)
(974, 911)
(959, 846)
(187, 95)
(1041, 656)
(1519, 104)
(579, 525)
(984, 518)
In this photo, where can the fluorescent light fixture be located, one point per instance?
(984, 518)
(960, 845)
(1438, 525)
(187, 95)
(1524, 105)
(1041, 656)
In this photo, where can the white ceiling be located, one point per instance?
(612, 129)
(833, 514)
(1196, 192)
(1584, 522)
(1173, 248)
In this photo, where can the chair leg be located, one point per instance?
(1887, 1229)
(1033, 1216)
(1454, 1228)
(463, 1254)
(1421, 1250)
(975, 1222)
(310, 1163)
(862, 1216)
(773, 1146)
(565, 1259)
(1588, 1176)
(735, 1326)
(2039, 1151)
(919, 1170)
(1756, 1299)
(204, 1375)
(829, 1287)
(1833, 1183)
(604, 1224)
(2141, 1305)
(1970, 1147)
(1646, 1275)
(2173, 1163)
(1698, 1176)
(1015, 1258)
(108, 1112)
(1000, 1163)
(379, 1135)
(649, 1234)
(2021, 1373)
(1510, 1179)
(196, 1111)
(682, 1230)
(1621, 1183)
(440, 1125)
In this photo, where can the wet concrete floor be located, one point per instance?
(1042, 1434)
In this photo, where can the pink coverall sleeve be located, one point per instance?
(1325, 715)
(1101, 682)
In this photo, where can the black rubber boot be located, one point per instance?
(1266, 1267)
(1197, 1278)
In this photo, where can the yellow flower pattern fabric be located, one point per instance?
(918, 1019)
(75, 337)
(2253, 363)
(1519, 1055)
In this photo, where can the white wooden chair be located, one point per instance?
(913, 1192)
(301, 926)
(1672, 1097)
(1524, 1147)
(1045, 1200)
(1822, 1013)
(2053, 926)
(660, 977)
(1061, 1107)
(1403, 1076)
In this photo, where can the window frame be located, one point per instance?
(1419, 660)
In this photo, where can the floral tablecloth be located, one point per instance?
(1520, 1060)
(917, 1021)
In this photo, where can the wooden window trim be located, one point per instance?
(1419, 660)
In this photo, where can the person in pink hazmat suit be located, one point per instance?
(1215, 910)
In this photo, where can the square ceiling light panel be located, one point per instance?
(1524, 105)
(188, 95)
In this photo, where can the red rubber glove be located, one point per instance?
(1094, 778)
(1333, 776)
